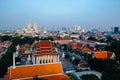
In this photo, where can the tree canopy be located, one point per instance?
(92, 38)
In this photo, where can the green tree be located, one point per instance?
(17, 40)
(6, 60)
(96, 64)
(106, 65)
(27, 40)
(115, 47)
(5, 38)
(36, 38)
(92, 38)
(72, 76)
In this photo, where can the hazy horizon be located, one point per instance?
(63, 13)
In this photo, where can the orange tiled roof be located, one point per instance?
(83, 48)
(55, 77)
(43, 70)
(74, 45)
(103, 55)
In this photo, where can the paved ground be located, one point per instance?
(66, 65)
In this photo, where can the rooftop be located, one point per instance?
(46, 71)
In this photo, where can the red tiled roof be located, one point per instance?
(45, 47)
(86, 50)
(79, 44)
(47, 71)
(5, 43)
(109, 54)
(44, 44)
(82, 65)
(24, 47)
(74, 45)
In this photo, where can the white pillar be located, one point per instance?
(42, 59)
(48, 58)
(14, 60)
(45, 59)
(37, 60)
(33, 59)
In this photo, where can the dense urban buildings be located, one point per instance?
(59, 40)
(42, 64)
(58, 55)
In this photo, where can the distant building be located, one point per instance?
(77, 28)
(45, 30)
(74, 35)
(116, 30)
(62, 40)
(31, 28)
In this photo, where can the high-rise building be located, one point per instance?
(77, 28)
(116, 30)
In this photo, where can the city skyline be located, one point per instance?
(63, 13)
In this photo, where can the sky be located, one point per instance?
(59, 13)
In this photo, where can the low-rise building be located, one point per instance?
(62, 40)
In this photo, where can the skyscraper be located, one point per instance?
(116, 30)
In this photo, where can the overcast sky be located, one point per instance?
(62, 13)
